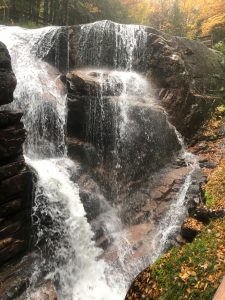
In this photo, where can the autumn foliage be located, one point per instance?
(182, 17)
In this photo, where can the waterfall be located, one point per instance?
(104, 44)
(40, 96)
(170, 223)
(72, 257)
(69, 255)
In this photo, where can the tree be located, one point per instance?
(46, 12)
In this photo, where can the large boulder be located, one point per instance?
(130, 132)
(187, 76)
(7, 77)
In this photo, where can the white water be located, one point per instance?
(170, 224)
(132, 87)
(38, 94)
(82, 275)
(125, 43)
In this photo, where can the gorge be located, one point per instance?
(103, 105)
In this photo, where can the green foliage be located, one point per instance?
(215, 187)
(220, 47)
(60, 12)
(209, 199)
(176, 20)
(195, 270)
(221, 109)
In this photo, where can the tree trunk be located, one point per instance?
(51, 11)
(46, 12)
(55, 12)
(38, 4)
(66, 12)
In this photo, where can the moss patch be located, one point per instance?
(215, 187)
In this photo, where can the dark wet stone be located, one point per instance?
(7, 77)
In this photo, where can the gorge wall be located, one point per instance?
(15, 177)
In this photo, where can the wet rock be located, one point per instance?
(15, 278)
(183, 80)
(194, 195)
(82, 151)
(180, 240)
(94, 118)
(204, 214)
(57, 54)
(7, 77)
(11, 225)
(208, 165)
(12, 139)
(91, 204)
(92, 83)
(76, 116)
(102, 237)
(11, 168)
(9, 118)
(103, 242)
(46, 291)
(14, 186)
(10, 247)
(15, 182)
(82, 83)
(10, 208)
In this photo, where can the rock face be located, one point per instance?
(187, 76)
(15, 177)
(120, 159)
(7, 78)
(136, 136)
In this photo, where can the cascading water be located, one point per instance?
(72, 258)
(125, 43)
(171, 222)
(37, 94)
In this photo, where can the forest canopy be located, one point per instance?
(189, 18)
(60, 12)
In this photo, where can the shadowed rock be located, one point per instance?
(7, 77)
(15, 183)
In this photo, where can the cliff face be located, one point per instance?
(15, 177)
(187, 76)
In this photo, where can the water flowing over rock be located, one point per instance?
(185, 75)
(61, 233)
(116, 112)
(112, 174)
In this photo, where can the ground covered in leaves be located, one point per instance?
(191, 272)
(215, 188)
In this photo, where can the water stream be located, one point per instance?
(74, 261)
